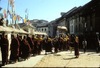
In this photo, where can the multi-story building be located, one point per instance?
(65, 24)
(91, 18)
(52, 26)
(43, 28)
(82, 21)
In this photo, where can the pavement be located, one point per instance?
(27, 63)
(67, 59)
(61, 59)
(33, 60)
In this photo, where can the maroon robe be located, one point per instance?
(4, 49)
(31, 43)
(76, 49)
(26, 49)
(14, 49)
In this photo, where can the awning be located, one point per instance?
(62, 27)
(10, 29)
(22, 31)
(6, 29)
(19, 31)
(2, 28)
(40, 33)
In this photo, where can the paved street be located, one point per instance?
(27, 63)
(61, 59)
(66, 59)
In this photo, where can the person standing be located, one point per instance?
(20, 48)
(31, 43)
(35, 48)
(56, 45)
(76, 47)
(39, 42)
(97, 43)
(84, 43)
(67, 42)
(4, 48)
(43, 42)
(14, 49)
(71, 43)
(26, 50)
(60, 40)
(48, 45)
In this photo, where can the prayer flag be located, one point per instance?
(5, 14)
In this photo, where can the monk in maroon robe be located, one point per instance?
(31, 43)
(4, 49)
(76, 47)
(26, 50)
(14, 49)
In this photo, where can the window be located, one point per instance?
(71, 28)
(76, 28)
(42, 29)
(79, 27)
(45, 29)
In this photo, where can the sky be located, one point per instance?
(43, 9)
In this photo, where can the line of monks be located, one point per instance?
(33, 45)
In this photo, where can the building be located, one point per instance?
(91, 18)
(52, 27)
(61, 27)
(43, 28)
(63, 24)
(82, 21)
(28, 28)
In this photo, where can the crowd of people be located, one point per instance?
(31, 45)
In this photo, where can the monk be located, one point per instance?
(4, 48)
(76, 47)
(14, 49)
(26, 50)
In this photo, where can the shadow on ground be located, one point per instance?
(69, 58)
(57, 54)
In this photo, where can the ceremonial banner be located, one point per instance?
(11, 3)
(10, 13)
(25, 20)
(18, 17)
(5, 13)
(14, 17)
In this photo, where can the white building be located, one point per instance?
(43, 28)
